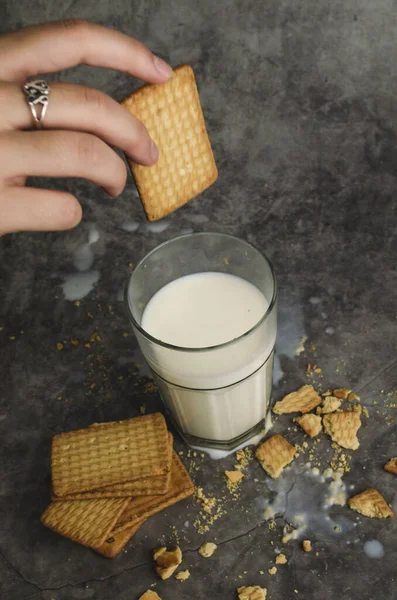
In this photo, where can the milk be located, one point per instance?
(216, 383)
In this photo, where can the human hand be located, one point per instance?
(79, 124)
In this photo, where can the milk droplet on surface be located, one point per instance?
(374, 549)
(77, 286)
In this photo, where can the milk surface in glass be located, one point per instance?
(217, 394)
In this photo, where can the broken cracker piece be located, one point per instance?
(371, 504)
(150, 595)
(234, 476)
(207, 549)
(352, 396)
(183, 575)
(275, 454)
(167, 561)
(342, 393)
(281, 559)
(307, 546)
(272, 571)
(303, 400)
(252, 592)
(311, 424)
(330, 405)
(342, 427)
(391, 466)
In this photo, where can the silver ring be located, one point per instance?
(37, 93)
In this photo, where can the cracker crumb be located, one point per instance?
(352, 396)
(330, 405)
(183, 575)
(233, 478)
(207, 549)
(281, 559)
(342, 393)
(59, 346)
(167, 561)
(150, 595)
(307, 546)
(391, 466)
(272, 571)
(252, 592)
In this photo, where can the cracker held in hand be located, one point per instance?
(343, 427)
(108, 454)
(304, 400)
(371, 504)
(275, 454)
(391, 466)
(311, 424)
(172, 114)
(88, 522)
(142, 507)
(114, 544)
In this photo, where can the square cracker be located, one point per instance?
(303, 400)
(391, 466)
(114, 544)
(111, 453)
(342, 427)
(275, 454)
(149, 486)
(371, 504)
(311, 424)
(172, 114)
(88, 522)
(140, 508)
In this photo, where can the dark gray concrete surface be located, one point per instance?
(300, 104)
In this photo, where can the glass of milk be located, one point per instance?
(203, 307)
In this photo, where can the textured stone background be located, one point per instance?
(300, 104)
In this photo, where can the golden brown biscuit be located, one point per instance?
(303, 400)
(114, 544)
(172, 114)
(311, 424)
(143, 507)
(147, 486)
(275, 454)
(111, 453)
(371, 504)
(88, 522)
(343, 427)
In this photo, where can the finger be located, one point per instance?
(84, 109)
(56, 46)
(61, 154)
(30, 209)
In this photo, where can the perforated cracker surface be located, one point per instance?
(172, 113)
(93, 458)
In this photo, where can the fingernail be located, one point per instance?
(154, 152)
(162, 67)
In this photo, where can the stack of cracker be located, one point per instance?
(109, 478)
